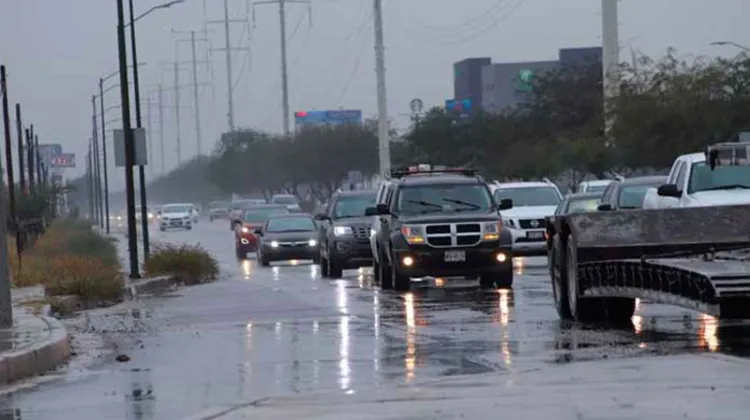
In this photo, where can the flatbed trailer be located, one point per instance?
(599, 262)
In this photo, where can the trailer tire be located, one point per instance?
(559, 278)
(581, 309)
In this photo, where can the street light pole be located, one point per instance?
(138, 122)
(104, 156)
(733, 44)
(129, 143)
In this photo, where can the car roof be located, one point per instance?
(645, 180)
(291, 216)
(438, 179)
(178, 204)
(529, 184)
(597, 182)
(266, 206)
(353, 193)
(583, 196)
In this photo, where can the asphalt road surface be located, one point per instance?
(262, 332)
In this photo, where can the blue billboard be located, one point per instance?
(337, 117)
(460, 108)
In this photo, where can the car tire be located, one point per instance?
(263, 260)
(383, 275)
(190, 227)
(400, 282)
(334, 268)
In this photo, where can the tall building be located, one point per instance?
(506, 85)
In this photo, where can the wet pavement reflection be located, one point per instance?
(266, 331)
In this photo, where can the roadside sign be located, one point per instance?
(63, 160)
(46, 151)
(139, 135)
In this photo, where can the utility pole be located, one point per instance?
(97, 165)
(196, 93)
(148, 136)
(19, 134)
(195, 96)
(6, 309)
(228, 53)
(104, 156)
(90, 183)
(161, 127)
(284, 71)
(177, 111)
(610, 60)
(30, 156)
(384, 140)
(8, 149)
(37, 161)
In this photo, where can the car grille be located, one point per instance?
(453, 235)
(532, 223)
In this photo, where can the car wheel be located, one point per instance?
(334, 268)
(400, 282)
(324, 267)
(263, 260)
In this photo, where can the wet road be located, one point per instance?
(262, 332)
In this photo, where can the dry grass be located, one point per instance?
(192, 263)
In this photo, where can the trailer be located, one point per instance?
(600, 262)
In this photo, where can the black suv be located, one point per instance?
(345, 232)
(440, 223)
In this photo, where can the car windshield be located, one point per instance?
(631, 196)
(444, 198)
(243, 204)
(702, 178)
(529, 196)
(176, 209)
(285, 199)
(352, 206)
(218, 205)
(582, 205)
(595, 188)
(260, 215)
(290, 224)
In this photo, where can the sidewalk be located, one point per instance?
(35, 344)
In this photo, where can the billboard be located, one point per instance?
(47, 151)
(63, 160)
(459, 108)
(333, 117)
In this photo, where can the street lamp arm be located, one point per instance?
(157, 7)
(732, 43)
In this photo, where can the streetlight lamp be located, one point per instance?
(138, 121)
(731, 43)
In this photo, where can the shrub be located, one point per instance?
(192, 263)
(75, 238)
(90, 278)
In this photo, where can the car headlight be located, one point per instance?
(510, 223)
(245, 230)
(151, 215)
(373, 232)
(274, 244)
(312, 242)
(491, 230)
(413, 234)
(342, 230)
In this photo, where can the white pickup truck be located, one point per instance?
(693, 182)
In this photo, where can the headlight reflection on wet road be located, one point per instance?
(410, 360)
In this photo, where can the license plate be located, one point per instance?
(535, 235)
(455, 256)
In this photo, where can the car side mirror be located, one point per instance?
(604, 207)
(505, 204)
(382, 209)
(371, 211)
(321, 217)
(669, 190)
(259, 232)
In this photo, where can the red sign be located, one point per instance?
(63, 160)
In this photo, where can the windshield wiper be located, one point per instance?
(425, 203)
(728, 187)
(463, 203)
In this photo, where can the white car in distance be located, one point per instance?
(177, 216)
(533, 202)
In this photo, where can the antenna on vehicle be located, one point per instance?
(547, 180)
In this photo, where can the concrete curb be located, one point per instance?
(151, 285)
(37, 358)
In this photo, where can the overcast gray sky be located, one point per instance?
(56, 50)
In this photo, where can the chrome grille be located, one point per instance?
(361, 232)
(532, 223)
(453, 235)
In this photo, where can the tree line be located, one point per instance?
(665, 107)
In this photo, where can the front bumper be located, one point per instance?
(430, 262)
(352, 253)
(528, 243)
(290, 252)
(175, 223)
(248, 242)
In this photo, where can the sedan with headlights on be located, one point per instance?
(287, 237)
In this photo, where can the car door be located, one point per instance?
(385, 223)
(680, 180)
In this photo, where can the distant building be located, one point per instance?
(494, 87)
